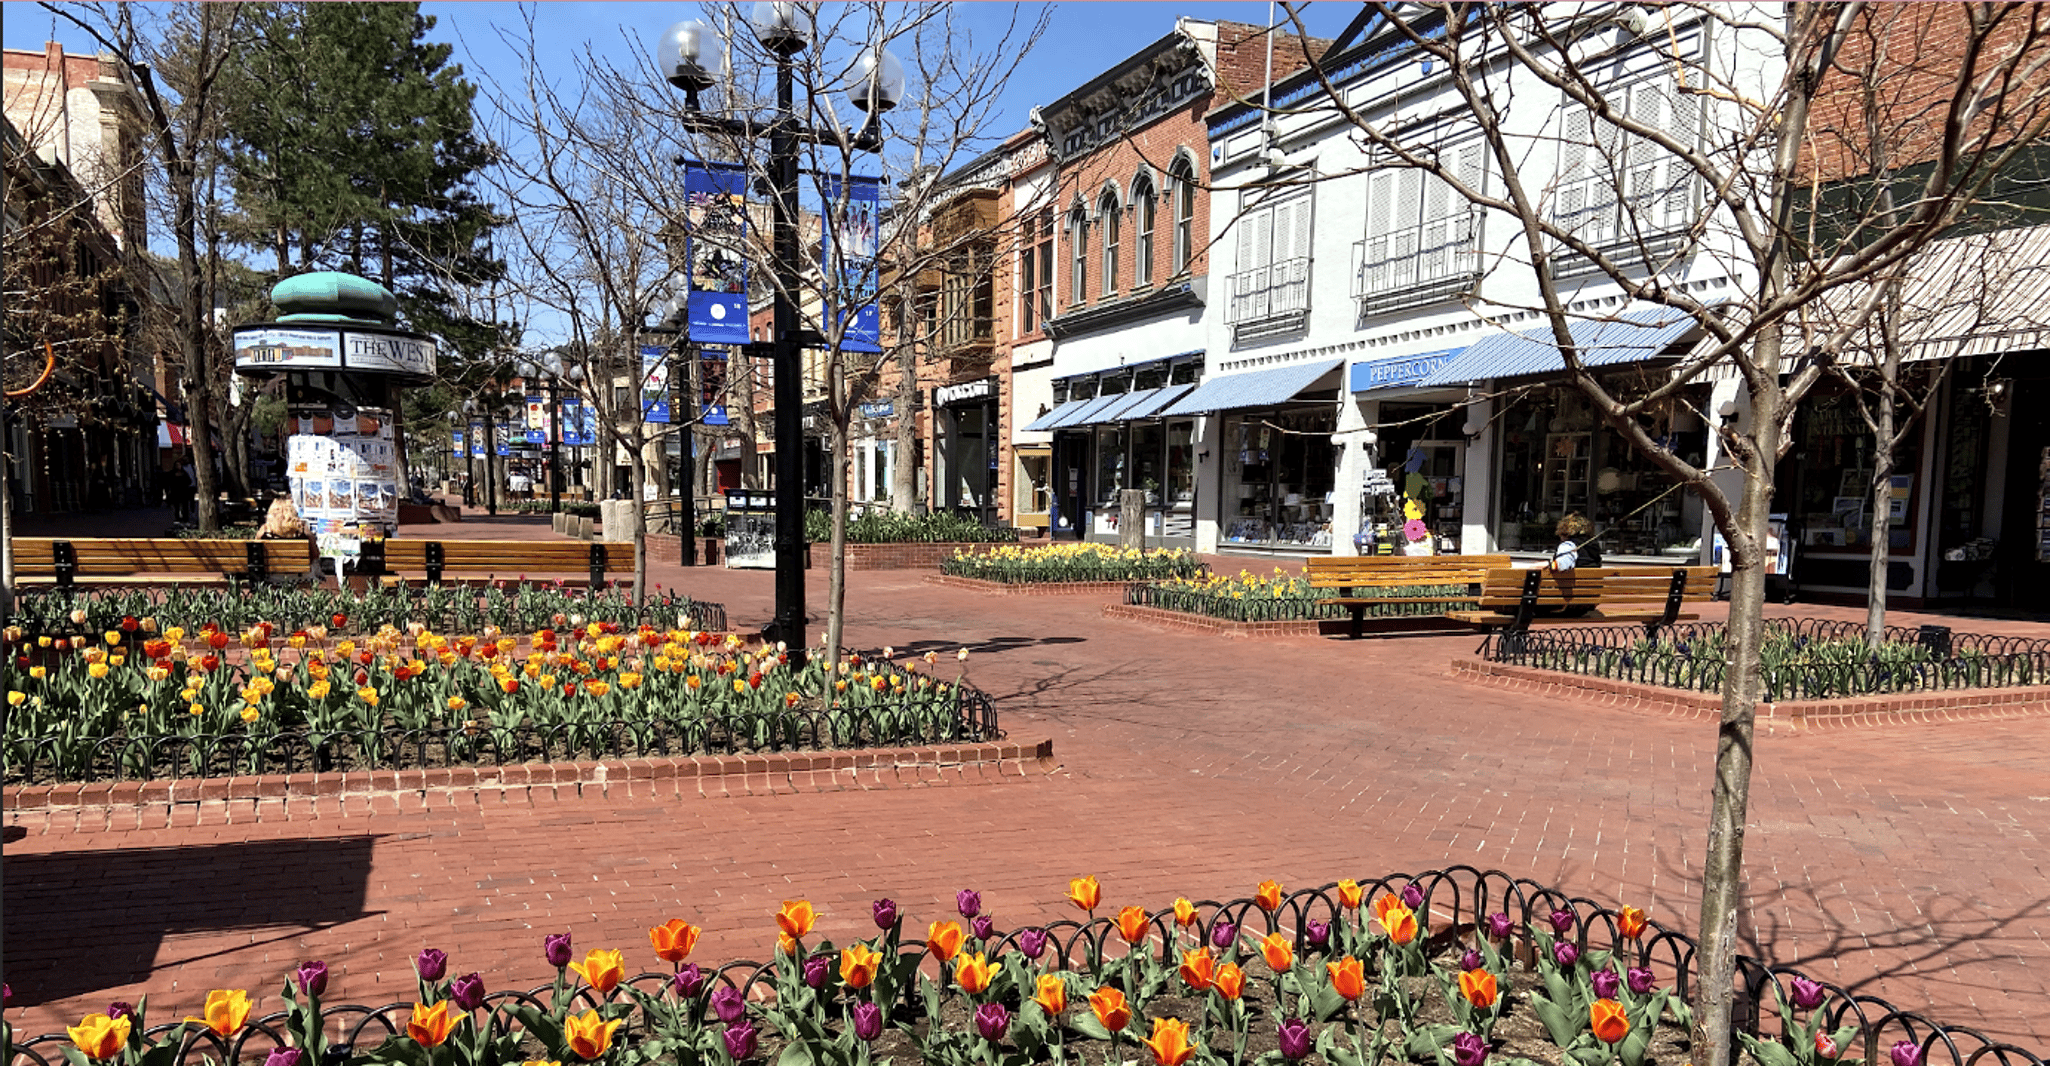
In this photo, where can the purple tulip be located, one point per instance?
(1412, 896)
(1471, 961)
(556, 947)
(284, 1056)
(1907, 1053)
(1223, 935)
(432, 964)
(1295, 1039)
(969, 902)
(312, 978)
(689, 980)
(1807, 994)
(467, 991)
(1606, 984)
(119, 1009)
(728, 1004)
(816, 968)
(1317, 933)
(741, 1040)
(1561, 921)
(992, 1021)
(982, 927)
(1566, 953)
(885, 911)
(1639, 979)
(868, 1021)
(1499, 926)
(1031, 942)
(1469, 1050)
(6, 994)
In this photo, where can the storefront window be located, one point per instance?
(1833, 500)
(969, 477)
(1110, 465)
(1558, 458)
(1034, 481)
(1149, 455)
(1278, 476)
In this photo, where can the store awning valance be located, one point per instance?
(1631, 337)
(1973, 295)
(1060, 413)
(1253, 388)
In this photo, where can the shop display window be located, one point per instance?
(1834, 453)
(1559, 458)
(1278, 477)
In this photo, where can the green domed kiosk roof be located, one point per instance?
(332, 296)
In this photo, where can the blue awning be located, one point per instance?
(1084, 412)
(1253, 388)
(1054, 417)
(1120, 412)
(1157, 401)
(1632, 337)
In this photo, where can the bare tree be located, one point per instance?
(1663, 150)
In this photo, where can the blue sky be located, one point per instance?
(1084, 38)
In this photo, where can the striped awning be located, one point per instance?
(1157, 401)
(1085, 411)
(1252, 388)
(1060, 413)
(1630, 337)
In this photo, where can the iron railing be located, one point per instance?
(963, 714)
(1804, 658)
(1212, 604)
(1457, 900)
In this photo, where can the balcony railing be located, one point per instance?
(1270, 299)
(1418, 265)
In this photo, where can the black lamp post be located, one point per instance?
(687, 56)
(676, 323)
(549, 368)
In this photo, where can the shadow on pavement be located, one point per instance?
(59, 903)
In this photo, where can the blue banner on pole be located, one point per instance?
(654, 383)
(476, 440)
(718, 318)
(850, 246)
(715, 224)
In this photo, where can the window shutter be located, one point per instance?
(1683, 119)
(1409, 213)
(1380, 190)
(1299, 256)
(1262, 259)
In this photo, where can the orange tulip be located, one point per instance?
(1268, 896)
(226, 1010)
(1170, 1042)
(1184, 913)
(786, 944)
(100, 1036)
(674, 939)
(1478, 986)
(1132, 924)
(602, 970)
(1608, 1020)
(796, 918)
(1230, 981)
(1085, 893)
(430, 1026)
(943, 940)
(1631, 923)
(858, 965)
(1348, 978)
(1052, 995)
(1198, 968)
(974, 974)
(1350, 893)
(590, 1036)
(1280, 955)
(1110, 1008)
(1400, 923)
(1385, 903)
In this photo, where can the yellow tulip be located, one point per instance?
(98, 1036)
(973, 974)
(1052, 993)
(590, 1036)
(602, 970)
(796, 918)
(858, 964)
(226, 1011)
(430, 1026)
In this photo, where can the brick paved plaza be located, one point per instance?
(1903, 861)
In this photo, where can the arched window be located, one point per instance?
(1107, 210)
(1078, 255)
(1142, 249)
(1183, 179)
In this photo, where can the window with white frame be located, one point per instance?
(1183, 180)
(1422, 238)
(1142, 246)
(1621, 192)
(1270, 281)
(1078, 256)
(1107, 212)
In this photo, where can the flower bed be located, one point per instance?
(895, 527)
(1285, 597)
(453, 608)
(1803, 658)
(1072, 562)
(1449, 968)
(140, 702)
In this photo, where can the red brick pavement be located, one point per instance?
(1905, 861)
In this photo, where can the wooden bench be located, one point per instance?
(1357, 575)
(110, 560)
(407, 557)
(1512, 598)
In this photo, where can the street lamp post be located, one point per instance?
(687, 56)
(549, 368)
(676, 323)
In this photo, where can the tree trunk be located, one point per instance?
(837, 465)
(1882, 485)
(639, 465)
(904, 465)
